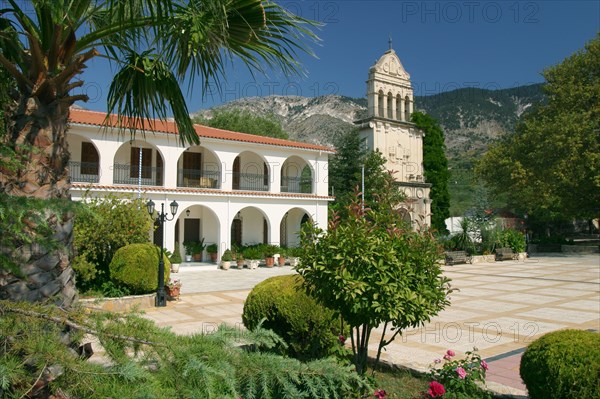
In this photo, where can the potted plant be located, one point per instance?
(293, 256)
(212, 250)
(253, 256)
(175, 259)
(198, 249)
(226, 259)
(189, 250)
(239, 258)
(281, 258)
(269, 253)
(173, 289)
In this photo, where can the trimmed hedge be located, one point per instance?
(135, 266)
(563, 365)
(310, 329)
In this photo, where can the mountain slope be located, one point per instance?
(470, 117)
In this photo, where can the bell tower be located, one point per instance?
(388, 128)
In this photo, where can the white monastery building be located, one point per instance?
(387, 128)
(232, 188)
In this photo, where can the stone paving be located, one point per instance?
(498, 307)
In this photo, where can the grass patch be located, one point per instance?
(401, 383)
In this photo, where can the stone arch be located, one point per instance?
(297, 176)
(199, 167)
(406, 216)
(126, 164)
(390, 106)
(250, 172)
(398, 115)
(84, 165)
(196, 221)
(290, 225)
(407, 109)
(254, 225)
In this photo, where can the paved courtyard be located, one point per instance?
(498, 307)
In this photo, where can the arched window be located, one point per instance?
(381, 104)
(407, 109)
(398, 107)
(390, 106)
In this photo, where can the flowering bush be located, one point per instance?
(174, 284)
(458, 378)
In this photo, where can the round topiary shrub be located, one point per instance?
(310, 329)
(135, 266)
(563, 365)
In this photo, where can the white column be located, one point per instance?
(375, 103)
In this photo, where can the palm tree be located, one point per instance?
(154, 45)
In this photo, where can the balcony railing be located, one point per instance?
(128, 174)
(198, 178)
(250, 182)
(84, 172)
(296, 184)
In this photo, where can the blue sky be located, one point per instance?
(443, 45)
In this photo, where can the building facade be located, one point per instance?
(387, 128)
(232, 188)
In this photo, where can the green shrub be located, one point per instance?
(310, 330)
(512, 239)
(563, 364)
(135, 266)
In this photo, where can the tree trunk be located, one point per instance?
(36, 133)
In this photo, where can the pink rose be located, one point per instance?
(484, 365)
(380, 393)
(450, 352)
(461, 373)
(437, 361)
(436, 389)
(447, 357)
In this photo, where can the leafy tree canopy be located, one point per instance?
(102, 226)
(436, 169)
(372, 268)
(550, 166)
(240, 120)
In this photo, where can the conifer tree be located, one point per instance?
(436, 172)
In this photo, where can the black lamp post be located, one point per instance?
(161, 296)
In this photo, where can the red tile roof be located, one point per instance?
(95, 118)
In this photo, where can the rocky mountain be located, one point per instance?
(471, 117)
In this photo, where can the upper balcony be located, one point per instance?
(151, 164)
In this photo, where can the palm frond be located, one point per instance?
(206, 33)
(145, 89)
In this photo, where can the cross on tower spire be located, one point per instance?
(390, 41)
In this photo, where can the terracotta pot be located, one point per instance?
(269, 261)
(197, 257)
(173, 292)
(281, 261)
(240, 263)
(213, 257)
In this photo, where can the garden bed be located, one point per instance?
(120, 304)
